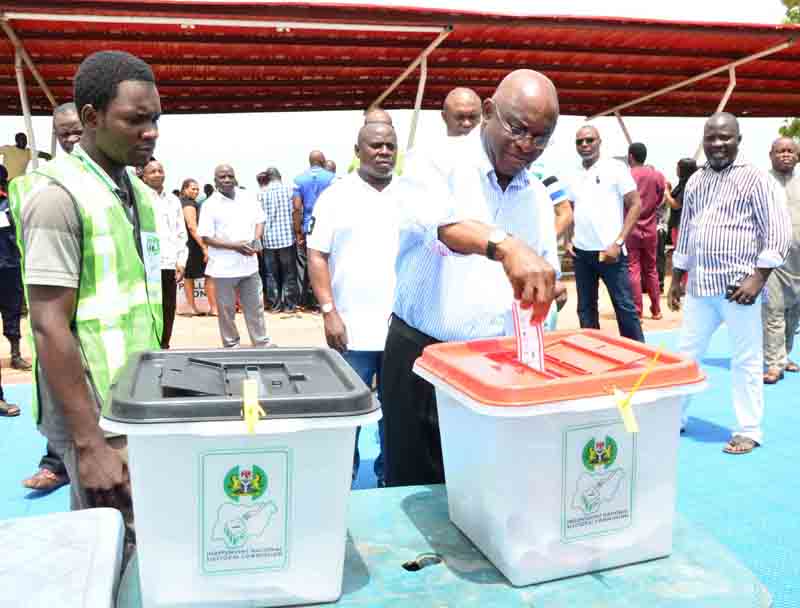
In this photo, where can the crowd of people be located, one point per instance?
(408, 249)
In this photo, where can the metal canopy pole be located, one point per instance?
(12, 36)
(21, 55)
(26, 109)
(624, 128)
(423, 76)
(770, 51)
(443, 33)
(723, 102)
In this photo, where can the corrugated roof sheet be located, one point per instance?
(596, 63)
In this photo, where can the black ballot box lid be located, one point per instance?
(206, 385)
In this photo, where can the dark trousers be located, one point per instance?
(661, 258)
(588, 272)
(169, 291)
(11, 300)
(307, 298)
(413, 448)
(52, 461)
(278, 269)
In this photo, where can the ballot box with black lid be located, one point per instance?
(236, 506)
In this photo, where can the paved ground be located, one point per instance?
(305, 329)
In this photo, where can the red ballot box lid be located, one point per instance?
(578, 364)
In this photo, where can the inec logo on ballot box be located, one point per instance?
(251, 483)
(599, 454)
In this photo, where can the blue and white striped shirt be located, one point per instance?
(732, 223)
(461, 297)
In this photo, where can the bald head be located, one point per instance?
(316, 159)
(371, 128)
(67, 126)
(225, 180)
(518, 121)
(725, 119)
(530, 89)
(784, 155)
(377, 115)
(587, 144)
(721, 139)
(783, 142)
(461, 111)
(377, 153)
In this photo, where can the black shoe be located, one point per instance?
(290, 310)
(17, 362)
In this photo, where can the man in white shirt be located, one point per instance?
(351, 255)
(231, 225)
(67, 126)
(172, 234)
(607, 206)
(461, 111)
(459, 268)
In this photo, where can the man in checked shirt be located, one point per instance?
(278, 240)
(733, 232)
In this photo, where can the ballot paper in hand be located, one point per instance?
(530, 338)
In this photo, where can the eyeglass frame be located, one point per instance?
(518, 137)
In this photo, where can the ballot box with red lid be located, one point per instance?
(563, 471)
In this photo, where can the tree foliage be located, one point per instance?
(791, 128)
(792, 10)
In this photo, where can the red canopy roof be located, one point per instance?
(596, 62)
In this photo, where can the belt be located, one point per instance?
(410, 333)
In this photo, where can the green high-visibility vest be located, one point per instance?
(118, 310)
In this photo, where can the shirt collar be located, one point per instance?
(782, 177)
(122, 194)
(79, 152)
(162, 195)
(595, 164)
(736, 163)
(485, 166)
(222, 197)
(362, 183)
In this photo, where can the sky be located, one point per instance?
(191, 146)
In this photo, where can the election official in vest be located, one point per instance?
(92, 271)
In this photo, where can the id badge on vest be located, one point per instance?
(151, 252)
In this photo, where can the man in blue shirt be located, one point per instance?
(307, 188)
(458, 267)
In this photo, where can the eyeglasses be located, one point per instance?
(585, 140)
(518, 133)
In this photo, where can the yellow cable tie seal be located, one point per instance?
(251, 410)
(624, 401)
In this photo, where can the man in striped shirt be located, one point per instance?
(733, 232)
(458, 267)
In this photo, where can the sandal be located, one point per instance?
(45, 480)
(9, 410)
(773, 375)
(791, 366)
(740, 445)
